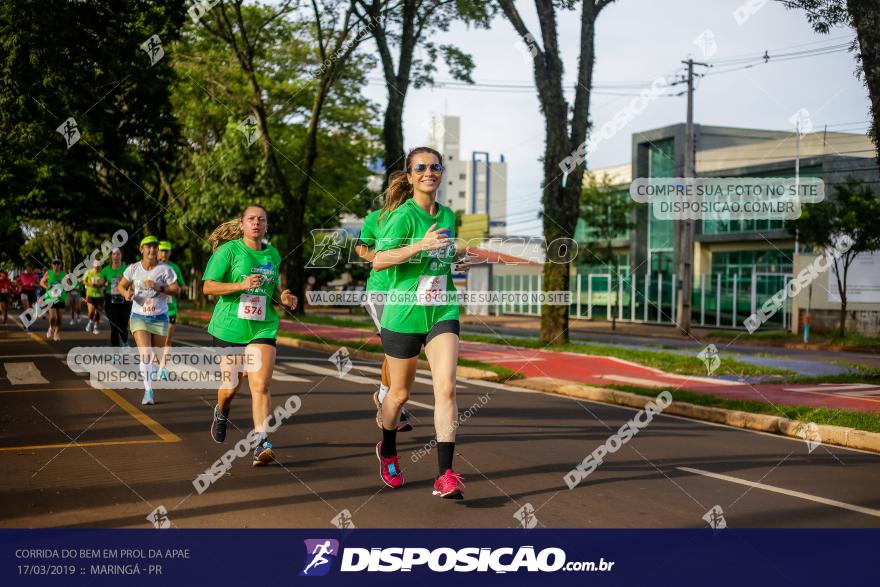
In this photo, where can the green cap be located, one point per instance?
(149, 240)
(164, 245)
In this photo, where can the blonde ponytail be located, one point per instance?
(398, 191)
(228, 231)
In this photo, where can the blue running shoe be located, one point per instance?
(218, 425)
(263, 454)
(163, 374)
(149, 398)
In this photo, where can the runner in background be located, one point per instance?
(117, 308)
(74, 297)
(148, 285)
(27, 283)
(377, 282)
(165, 257)
(56, 302)
(6, 291)
(94, 296)
(244, 274)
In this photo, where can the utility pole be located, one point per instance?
(685, 228)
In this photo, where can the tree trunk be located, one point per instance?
(865, 16)
(392, 133)
(296, 219)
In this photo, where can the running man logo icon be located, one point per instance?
(70, 131)
(526, 516)
(159, 518)
(809, 432)
(715, 518)
(327, 246)
(342, 360)
(319, 556)
(710, 358)
(249, 128)
(801, 121)
(706, 43)
(153, 48)
(343, 520)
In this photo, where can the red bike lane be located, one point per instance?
(599, 370)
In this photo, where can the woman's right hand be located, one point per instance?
(434, 239)
(252, 281)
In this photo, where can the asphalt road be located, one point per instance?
(75, 456)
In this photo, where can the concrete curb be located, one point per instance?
(837, 435)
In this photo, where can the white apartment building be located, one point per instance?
(474, 185)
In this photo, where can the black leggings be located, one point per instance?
(118, 315)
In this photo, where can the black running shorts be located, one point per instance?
(404, 345)
(224, 344)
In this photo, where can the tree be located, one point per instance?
(85, 60)
(863, 16)
(222, 172)
(853, 212)
(565, 131)
(407, 25)
(335, 39)
(607, 215)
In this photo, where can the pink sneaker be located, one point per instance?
(389, 469)
(448, 485)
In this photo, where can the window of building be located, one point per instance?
(742, 262)
(462, 176)
(460, 194)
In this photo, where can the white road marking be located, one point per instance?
(279, 376)
(24, 373)
(424, 380)
(52, 355)
(332, 373)
(833, 387)
(789, 492)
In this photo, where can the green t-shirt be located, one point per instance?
(232, 262)
(370, 233)
(427, 273)
(92, 289)
(111, 278)
(172, 304)
(53, 278)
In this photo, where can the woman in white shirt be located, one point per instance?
(149, 286)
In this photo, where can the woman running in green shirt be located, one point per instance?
(377, 283)
(245, 273)
(94, 296)
(57, 297)
(417, 251)
(165, 257)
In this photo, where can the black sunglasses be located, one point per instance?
(422, 167)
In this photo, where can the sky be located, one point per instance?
(638, 41)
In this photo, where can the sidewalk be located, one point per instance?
(598, 370)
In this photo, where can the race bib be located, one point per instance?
(148, 308)
(432, 290)
(252, 307)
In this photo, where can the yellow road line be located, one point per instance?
(163, 433)
(157, 429)
(91, 443)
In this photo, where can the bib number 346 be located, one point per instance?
(252, 307)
